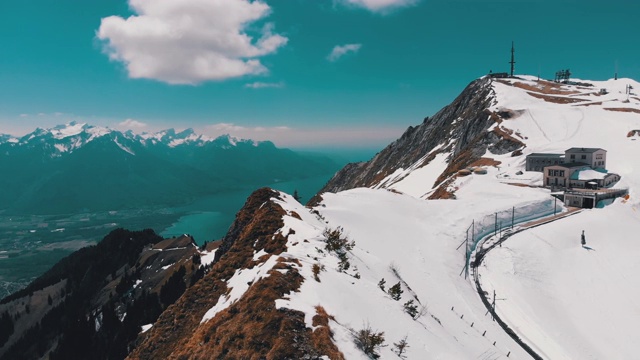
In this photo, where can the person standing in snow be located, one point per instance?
(584, 241)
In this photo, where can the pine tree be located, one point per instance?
(296, 195)
(401, 348)
(396, 291)
(381, 284)
(411, 309)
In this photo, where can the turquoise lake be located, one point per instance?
(209, 218)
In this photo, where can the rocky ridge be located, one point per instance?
(462, 130)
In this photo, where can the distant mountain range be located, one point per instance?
(78, 166)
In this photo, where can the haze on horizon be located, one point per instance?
(304, 74)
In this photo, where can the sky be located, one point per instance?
(302, 73)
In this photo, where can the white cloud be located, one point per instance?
(190, 41)
(132, 124)
(380, 5)
(341, 50)
(263, 85)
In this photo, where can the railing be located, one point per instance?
(500, 221)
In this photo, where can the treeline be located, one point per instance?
(87, 267)
(81, 332)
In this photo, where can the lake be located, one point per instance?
(209, 217)
(32, 244)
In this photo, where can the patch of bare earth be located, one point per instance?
(507, 134)
(624, 110)
(555, 99)
(466, 158)
(443, 192)
(542, 86)
(322, 335)
(589, 104)
(633, 133)
(485, 162)
(521, 185)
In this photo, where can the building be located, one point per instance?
(538, 161)
(590, 198)
(581, 172)
(587, 178)
(594, 157)
(560, 175)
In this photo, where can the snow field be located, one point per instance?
(419, 238)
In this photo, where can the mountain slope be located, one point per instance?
(418, 244)
(291, 282)
(76, 167)
(230, 313)
(456, 136)
(93, 303)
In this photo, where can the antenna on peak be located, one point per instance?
(616, 74)
(513, 58)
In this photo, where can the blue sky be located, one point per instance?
(303, 73)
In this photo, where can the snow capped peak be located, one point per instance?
(6, 138)
(172, 138)
(61, 139)
(69, 129)
(227, 140)
(186, 133)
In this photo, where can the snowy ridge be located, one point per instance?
(557, 294)
(64, 139)
(388, 229)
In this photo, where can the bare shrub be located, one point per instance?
(369, 341)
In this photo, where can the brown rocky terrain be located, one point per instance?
(251, 327)
(462, 127)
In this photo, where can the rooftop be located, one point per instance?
(587, 150)
(589, 174)
(545, 155)
(572, 165)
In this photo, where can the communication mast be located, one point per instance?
(513, 58)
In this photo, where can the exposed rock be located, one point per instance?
(460, 128)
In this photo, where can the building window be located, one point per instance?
(550, 172)
(583, 157)
(573, 156)
(562, 173)
(598, 156)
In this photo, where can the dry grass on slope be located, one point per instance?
(542, 86)
(624, 110)
(556, 99)
(252, 327)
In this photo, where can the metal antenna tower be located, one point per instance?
(513, 58)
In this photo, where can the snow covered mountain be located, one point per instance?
(69, 137)
(409, 248)
(336, 291)
(79, 166)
